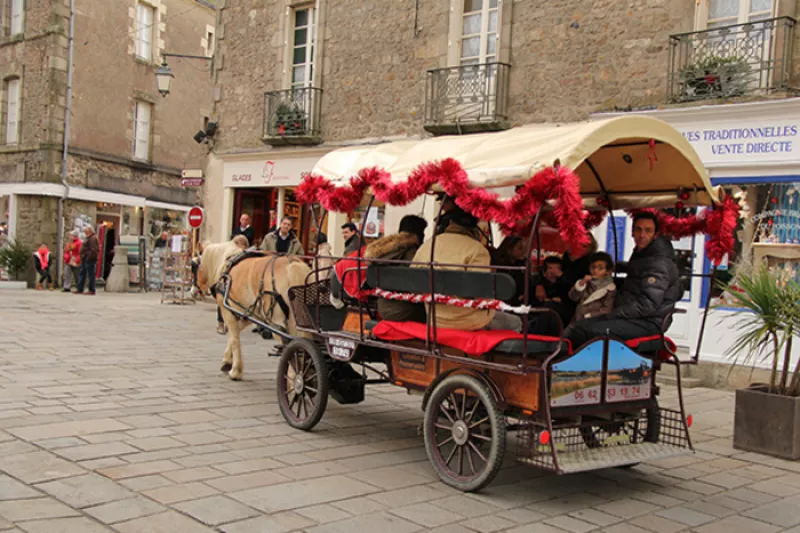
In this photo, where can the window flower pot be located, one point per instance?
(767, 423)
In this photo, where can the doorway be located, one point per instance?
(256, 203)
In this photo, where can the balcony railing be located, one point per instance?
(729, 61)
(466, 99)
(292, 116)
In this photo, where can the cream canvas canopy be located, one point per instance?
(608, 154)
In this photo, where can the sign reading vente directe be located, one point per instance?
(748, 142)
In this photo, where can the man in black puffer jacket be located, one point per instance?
(648, 294)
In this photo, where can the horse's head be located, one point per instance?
(212, 263)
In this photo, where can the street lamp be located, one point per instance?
(164, 75)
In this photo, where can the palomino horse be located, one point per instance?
(266, 275)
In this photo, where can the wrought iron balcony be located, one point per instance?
(467, 99)
(292, 116)
(736, 60)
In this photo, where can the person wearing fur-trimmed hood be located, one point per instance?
(400, 246)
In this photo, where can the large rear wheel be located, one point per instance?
(302, 384)
(465, 433)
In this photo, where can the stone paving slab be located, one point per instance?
(118, 420)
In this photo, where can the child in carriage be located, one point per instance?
(595, 292)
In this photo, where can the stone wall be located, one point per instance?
(128, 178)
(37, 223)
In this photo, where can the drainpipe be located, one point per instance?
(65, 194)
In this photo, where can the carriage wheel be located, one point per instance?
(465, 433)
(302, 384)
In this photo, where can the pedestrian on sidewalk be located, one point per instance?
(88, 254)
(72, 261)
(41, 260)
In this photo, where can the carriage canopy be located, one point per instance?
(639, 161)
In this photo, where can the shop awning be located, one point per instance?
(640, 161)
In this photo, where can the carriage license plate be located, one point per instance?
(341, 349)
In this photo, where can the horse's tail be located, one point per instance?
(296, 273)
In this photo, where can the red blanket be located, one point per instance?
(474, 343)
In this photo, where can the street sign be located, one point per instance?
(191, 182)
(196, 216)
(192, 173)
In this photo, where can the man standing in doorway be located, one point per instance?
(89, 253)
(283, 240)
(245, 229)
(648, 294)
(352, 240)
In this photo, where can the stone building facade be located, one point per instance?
(376, 73)
(127, 145)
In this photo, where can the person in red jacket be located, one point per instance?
(72, 260)
(42, 262)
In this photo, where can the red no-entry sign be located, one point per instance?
(196, 216)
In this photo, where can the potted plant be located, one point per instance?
(714, 77)
(289, 120)
(14, 259)
(767, 415)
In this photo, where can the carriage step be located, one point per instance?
(611, 456)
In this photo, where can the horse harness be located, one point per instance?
(258, 304)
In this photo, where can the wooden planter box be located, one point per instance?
(767, 423)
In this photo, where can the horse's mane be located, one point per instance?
(214, 258)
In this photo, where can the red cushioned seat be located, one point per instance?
(473, 343)
(652, 345)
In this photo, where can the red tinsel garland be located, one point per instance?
(514, 215)
(560, 184)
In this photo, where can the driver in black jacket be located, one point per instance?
(648, 295)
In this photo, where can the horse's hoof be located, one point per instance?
(226, 367)
(237, 377)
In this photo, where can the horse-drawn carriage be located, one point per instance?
(571, 408)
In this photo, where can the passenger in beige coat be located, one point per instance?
(459, 243)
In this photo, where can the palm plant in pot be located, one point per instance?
(767, 416)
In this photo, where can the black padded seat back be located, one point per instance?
(461, 283)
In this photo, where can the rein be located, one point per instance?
(225, 279)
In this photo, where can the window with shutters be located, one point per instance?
(12, 110)
(145, 22)
(141, 131)
(16, 16)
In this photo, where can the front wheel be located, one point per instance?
(302, 384)
(465, 433)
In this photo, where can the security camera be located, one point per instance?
(200, 136)
(211, 129)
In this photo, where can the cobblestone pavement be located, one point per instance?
(115, 417)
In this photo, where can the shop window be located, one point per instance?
(768, 232)
(141, 131)
(12, 95)
(145, 18)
